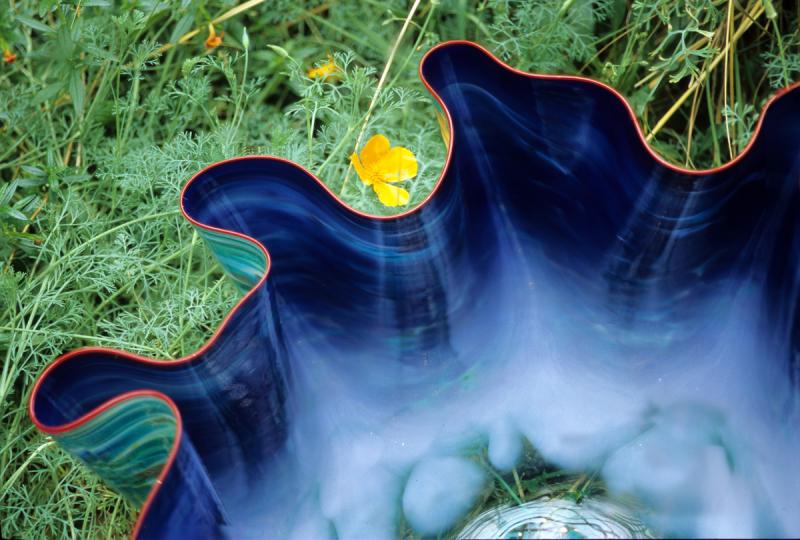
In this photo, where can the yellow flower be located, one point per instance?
(8, 56)
(380, 166)
(213, 40)
(328, 70)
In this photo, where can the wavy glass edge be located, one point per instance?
(247, 262)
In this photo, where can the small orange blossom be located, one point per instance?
(213, 40)
(8, 56)
(380, 166)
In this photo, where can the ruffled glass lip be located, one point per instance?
(58, 407)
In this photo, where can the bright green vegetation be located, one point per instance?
(106, 112)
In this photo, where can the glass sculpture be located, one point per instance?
(563, 288)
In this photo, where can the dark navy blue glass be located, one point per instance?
(562, 286)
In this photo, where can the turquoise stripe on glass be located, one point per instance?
(242, 260)
(127, 445)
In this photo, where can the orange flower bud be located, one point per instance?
(213, 41)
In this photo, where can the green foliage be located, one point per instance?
(782, 60)
(106, 113)
(550, 36)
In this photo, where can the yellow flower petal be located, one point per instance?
(390, 195)
(362, 171)
(375, 149)
(396, 165)
(443, 129)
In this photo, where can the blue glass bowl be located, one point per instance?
(563, 285)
